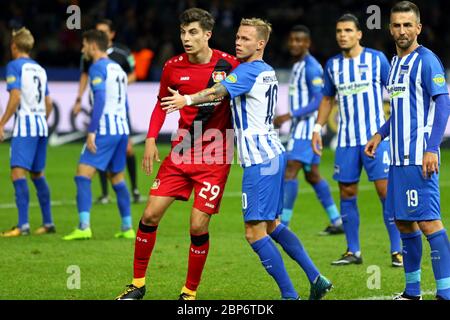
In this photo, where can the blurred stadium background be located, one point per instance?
(36, 267)
(151, 30)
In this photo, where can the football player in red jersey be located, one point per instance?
(187, 167)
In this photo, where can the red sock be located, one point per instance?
(143, 247)
(198, 252)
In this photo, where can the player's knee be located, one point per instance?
(290, 173)
(198, 228)
(430, 227)
(348, 190)
(253, 234)
(405, 226)
(36, 175)
(151, 217)
(17, 174)
(312, 177)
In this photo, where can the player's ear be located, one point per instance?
(261, 44)
(208, 35)
(359, 34)
(419, 28)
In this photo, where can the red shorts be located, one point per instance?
(178, 180)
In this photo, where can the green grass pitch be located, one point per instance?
(36, 267)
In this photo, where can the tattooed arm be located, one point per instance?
(177, 101)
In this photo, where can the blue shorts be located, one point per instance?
(262, 190)
(301, 150)
(29, 153)
(350, 160)
(410, 196)
(111, 153)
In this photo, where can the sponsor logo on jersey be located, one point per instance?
(185, 78)
(232, 78)
(353, 88)
(219, 76)
(156, 184)
(396, 91)
(439, 80)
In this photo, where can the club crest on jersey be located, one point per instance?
(404, 69)
(362, 68)
(156, 184)
(219, 76)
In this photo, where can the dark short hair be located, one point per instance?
(406, 6)
(97, 37)
(350, 17)
(203, 17)
(301, 28)
(108, 22)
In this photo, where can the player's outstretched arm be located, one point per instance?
(13, 104)
(177, 101)
(322, 118)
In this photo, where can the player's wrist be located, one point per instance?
(317, 128)
(78, 100)
(188, 99)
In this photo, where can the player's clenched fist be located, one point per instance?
(150, 153)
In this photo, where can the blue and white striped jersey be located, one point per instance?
(358, 83)
(413, 81)
(106, 75)
(30, 78)
(253, 88)
(305, 80)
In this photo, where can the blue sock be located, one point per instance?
(84, 200)
(22, 201)
(123, 202)
(389, 222)
(412, 256)
(322, 190)
(440, 260)
(290, 194)
(273, 263)
(43, 194)
(350, 219)
(293, 247)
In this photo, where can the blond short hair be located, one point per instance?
(23, 39)
(263, 28)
